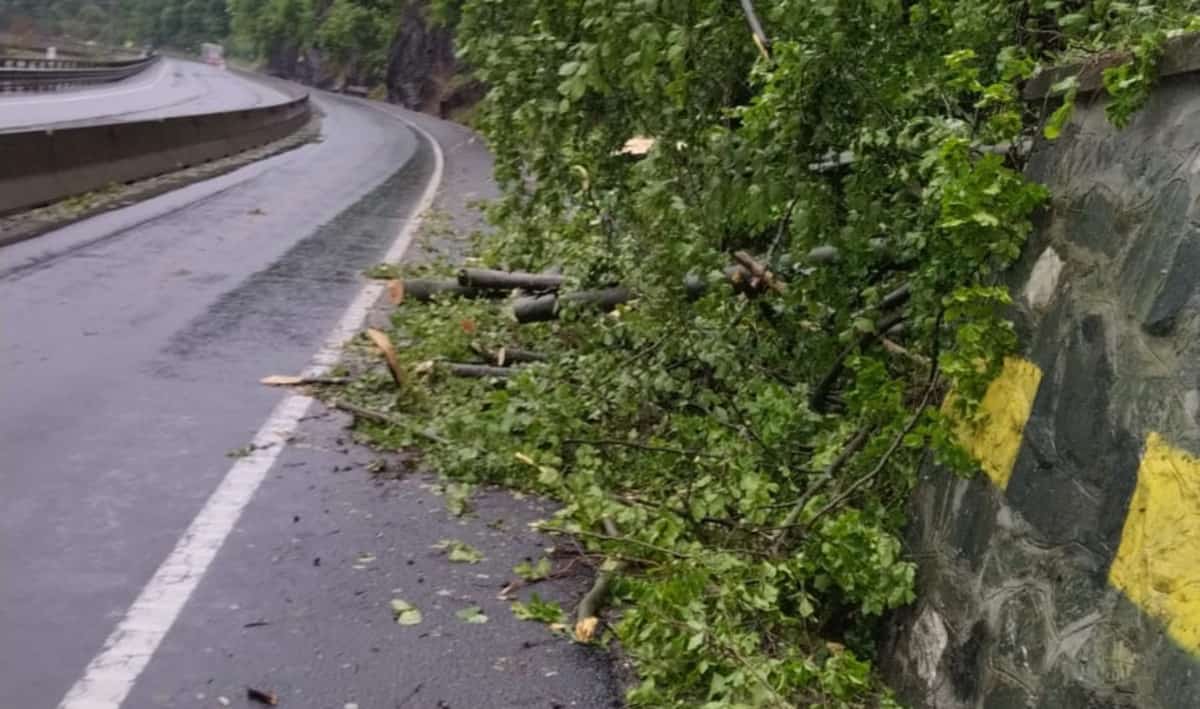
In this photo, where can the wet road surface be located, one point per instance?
(172, 87)
(130, 353)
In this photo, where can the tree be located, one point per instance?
(356, 33)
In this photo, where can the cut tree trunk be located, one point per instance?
(761, 274)
(506, 356)
(543, 308)
(479, 371)
(424, 290)
(509, 280)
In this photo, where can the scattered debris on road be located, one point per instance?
(262, 697)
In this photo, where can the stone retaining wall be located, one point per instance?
(1068, 575)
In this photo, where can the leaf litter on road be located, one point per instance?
(459, 551)
(472, 614)
(405, 612)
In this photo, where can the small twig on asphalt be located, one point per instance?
(382, 418)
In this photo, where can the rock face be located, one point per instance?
(423, 72)
(1068, 576)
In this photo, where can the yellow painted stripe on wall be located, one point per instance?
(1006, 406)
(1158, 561)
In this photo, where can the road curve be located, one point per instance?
(132, 347)
(172, 87)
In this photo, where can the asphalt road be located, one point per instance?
(131, 348)
(173, 87)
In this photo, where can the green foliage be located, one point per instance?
(539, 610)
(533, 572)
(176, 23)
(354, 34)
(357, 31)
(754, 454)
(459, 551)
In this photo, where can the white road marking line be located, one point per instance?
(110, 676)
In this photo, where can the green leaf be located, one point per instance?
(472, 614)
(539, 610)
(1073, 22)
(1061, 116)
(459, 552)
(405, 613)
(534, 572)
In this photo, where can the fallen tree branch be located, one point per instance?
(639, 446)
(856, 444)
(761, 273)
(818, 400)
(895, 348)
(896, 443)
(756, 29)
(930, 388)
(824, 254)
(588, 611)
(506, 356)
(284, 380)
(896, 298)
(382, 418)
(488, 279)
(479, 371)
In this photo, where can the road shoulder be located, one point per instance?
(299, 601)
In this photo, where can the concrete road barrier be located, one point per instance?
(39, 167)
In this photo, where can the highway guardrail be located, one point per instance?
(38, 167)
(34, 74)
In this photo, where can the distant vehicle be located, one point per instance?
(213, 54)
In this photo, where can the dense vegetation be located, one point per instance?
(351, 33)
(180, 23)
(743, 461)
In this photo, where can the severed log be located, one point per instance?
(540, 308)
(742, 280)
(507, 355)
(543, 308)
(761, 273)
(479, 371)
(424, 290)
(488, 279)
(900, 296)
(824, 254)
(696, 286)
